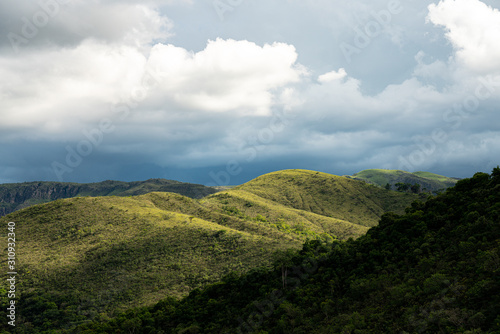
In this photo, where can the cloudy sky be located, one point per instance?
(221, 91)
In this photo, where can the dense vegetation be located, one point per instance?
(405, 181)
(16, 196)
(85, 259)
(435, 269)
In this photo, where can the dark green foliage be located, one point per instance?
(435, 269)
(405, 187)
(400, 186)
(415, 188)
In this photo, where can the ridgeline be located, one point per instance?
(16, 196)
(428, 182)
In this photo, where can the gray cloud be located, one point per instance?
(133, 89)
(30, 25)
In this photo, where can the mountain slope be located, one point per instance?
(114, 252)
(111, 253)
(328, 195)
(249, 206)
(16, 196)
(435, 269)
(431, 182)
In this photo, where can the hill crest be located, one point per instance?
(429, 182)
(327, 194)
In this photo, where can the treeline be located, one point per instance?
(415, 188)
(435, 269)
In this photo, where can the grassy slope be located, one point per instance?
(116, 252)
(328, 195)
(432, 176)
(427, 180)
(282, 218)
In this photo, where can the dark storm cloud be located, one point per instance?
(133, 90)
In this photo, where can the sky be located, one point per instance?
(219, 92)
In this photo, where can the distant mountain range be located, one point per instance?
(15, 196)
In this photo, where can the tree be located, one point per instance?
(415, 188)
(402, 186)
(388, 186)
(495, 174)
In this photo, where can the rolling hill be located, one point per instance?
(114, 252)
(428, 181)
(322, 194)
(434, 269)
(107, 254)
(15, 196)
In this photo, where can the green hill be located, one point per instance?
(435, 269)
(328, 195)
(16, 196)
(113, 253)
(86, 258)
(428, 181)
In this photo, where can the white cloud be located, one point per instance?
(58, 92)
(55, 91)
(332, 76)
(227, 75)
(473, 28)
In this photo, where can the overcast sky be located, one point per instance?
(219, 92)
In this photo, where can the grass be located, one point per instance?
(249, 206)
(430, 181)
(436, 177)
(328, 195)
(379, 176)
(129, 252)
(112, 253)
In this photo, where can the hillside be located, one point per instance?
(328, 195)
(435, 269)
(112, 253)
(429, 182)
(107, 254)
(16, 196)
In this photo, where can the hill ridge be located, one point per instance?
(322, 187)
(15, 196)
(429, 182)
